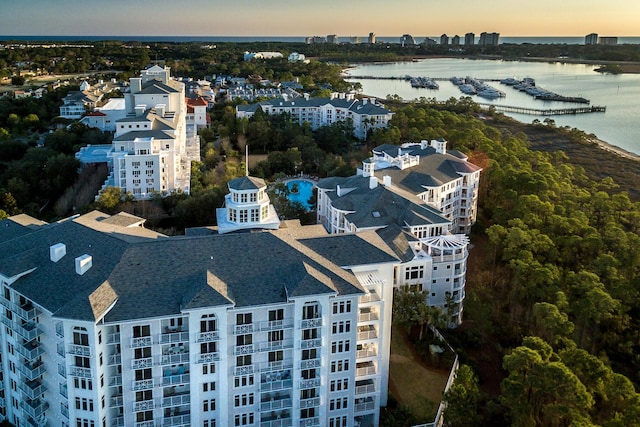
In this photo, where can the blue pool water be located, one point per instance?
(305, 191)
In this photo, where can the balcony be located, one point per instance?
(275, 385)
(177, 400)
(116, 401)
(310, 383)
(207, 336)
(147, 362)
(34, 408)
(243, 370)
(175, 379)
(174, 359)
(143, 405)
(149, 423)
(113, 338)
(275, 402)
(365, 369)
(364, 405)
(367, 333)
(365, 387)
(31, 371)
(310, 363)
(63, 390)
(32, 389)
(276, 365)
(275, 324)
(366, 352)
(369, 316)
(115, 381)
(243, 349)
(114, 359)
(141, 342)
(309, 403)
(310, 422)
(79, 350)
(30, 350)
(372, 296)
(173, 337)
(276, 345)
(312, 343)
(27, 311)
(208, 357)
(243, 329)
(142, 385)
(28, 331)
(118, 421)
(311, 323)
(177, 420)
(79, 371)
(280, 419)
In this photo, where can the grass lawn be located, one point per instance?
(412, 384)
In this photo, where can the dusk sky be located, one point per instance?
(302, 18)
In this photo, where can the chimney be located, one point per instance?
(57, 251)
(338, 191)
(83, 264)
(160, 110)
(386, 181)
(373, 182)
(424, 144)
(140, 110)
(136, 84)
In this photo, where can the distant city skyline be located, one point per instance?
(286, 18)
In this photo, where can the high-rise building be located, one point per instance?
(608, 41)
(444, 39)
(332, 39)
(469, 39)
(372, 38)
(590, 39)
(106, 323)
(455, 40)
(489, 39)
(407, 40)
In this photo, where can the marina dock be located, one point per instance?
(545, 111)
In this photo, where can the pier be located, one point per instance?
(545, 111)
(408, 78)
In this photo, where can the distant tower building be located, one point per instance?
(608, 41)
(591, 39)
(444, 39)
(372, 38)
(489, 39)
(455, 41)
(429, 41)
(332, 39)
(469, 39)
(356, 40)
(407, 40)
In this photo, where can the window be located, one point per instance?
(340, 346)
(243, 198)
(142, 353)
(243, 318)
(144, 416)
(143, 374)
(141, 396)
(340, 365)
(243, 360)
(275, 315)
(243, 215)
(243, 399)
(255, 217)
(208, 347)
(244, 339)
(309, 334)
(309, 354)
(84, 404)
(342, 307)
(337, 385)
(141, 331)
(341, 327)
(209, 405)
(209, 423)
(244, 419)
(80, 338)
(208, 368)
(275, 336)
(276, 356)
(414, 272)
(208, 323)
(211, 386)
(83, 383)
(82, 362)
(310, 311)
(307, 413)
(335, 404)
(243, 381)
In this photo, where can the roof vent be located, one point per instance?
(386, 181)
(57, 251)
(83, 264)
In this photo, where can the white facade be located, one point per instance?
(247, 206)
(364, 115)
(153, 147)
(408, 202)
(271, 329)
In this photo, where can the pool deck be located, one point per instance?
(306, 178)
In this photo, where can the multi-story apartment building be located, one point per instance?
(426, 196)
(469, 39)
(153, 146)
(105, 323)
(591, 39)
(364, 115)
(489, 39)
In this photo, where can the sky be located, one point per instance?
(310, 17)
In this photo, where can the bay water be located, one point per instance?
(620, 93)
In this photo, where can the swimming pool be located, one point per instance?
(304, 193)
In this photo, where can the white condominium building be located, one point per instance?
(364, 115)
(105, 323)
(415, 197)
(153, 147)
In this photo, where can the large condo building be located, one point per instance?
(155, 139)
(364, 115)
(420, 200)
(105, 323)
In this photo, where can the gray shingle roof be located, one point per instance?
(247, 183)
(150, 277)
(155, 134)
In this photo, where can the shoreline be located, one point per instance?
(603, 145)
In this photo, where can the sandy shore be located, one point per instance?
(616, 150)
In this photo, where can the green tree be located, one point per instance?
(462, 399)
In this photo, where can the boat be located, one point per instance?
(467, 89)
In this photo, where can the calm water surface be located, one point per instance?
(619, 126)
